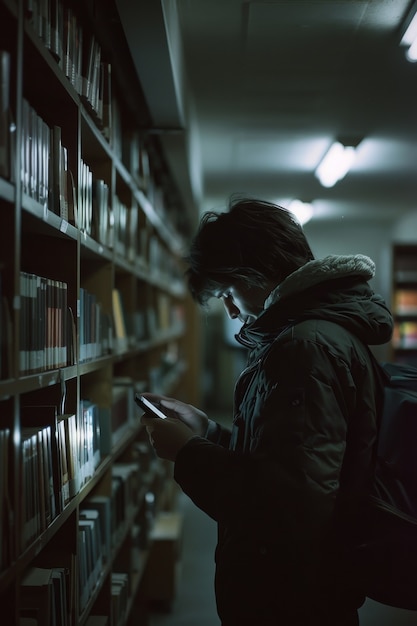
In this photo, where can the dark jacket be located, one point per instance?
(288, 483)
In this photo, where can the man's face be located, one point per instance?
(243, 302)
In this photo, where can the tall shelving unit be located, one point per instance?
(93, 308)
(404, 303)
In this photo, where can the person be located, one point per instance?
(287, 484)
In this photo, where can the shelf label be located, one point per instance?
(64, 226)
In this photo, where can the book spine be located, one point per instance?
(4, 113)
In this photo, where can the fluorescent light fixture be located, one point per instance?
(303, 211)
(335, 164)
(409, 40)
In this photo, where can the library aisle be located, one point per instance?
(195, 604)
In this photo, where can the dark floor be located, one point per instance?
(195, 605)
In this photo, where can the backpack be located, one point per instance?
(387, 558)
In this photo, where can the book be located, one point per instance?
(6, 336)
(119, 320)
(31, 497)
(100, 209)
(65, 457)
(68, 428)
(92, 518)
(101, 505)
(5, 503)
(5, 163)
(90, 527)
(59, 160)
(59, 593)
(36, 595)
(72, 199)
(57, 30)
(120, 595)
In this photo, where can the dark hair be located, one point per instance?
(254, 242)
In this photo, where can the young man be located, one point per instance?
(288, 483)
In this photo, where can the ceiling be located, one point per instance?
(247, 96)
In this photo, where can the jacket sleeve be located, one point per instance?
(218, 434)
(296, 420)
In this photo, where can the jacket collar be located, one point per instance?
(320, 270)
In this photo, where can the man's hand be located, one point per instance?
(195, 419)
(167, 436)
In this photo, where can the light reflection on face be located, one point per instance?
(243, 302)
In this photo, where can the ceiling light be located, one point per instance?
(335, 164)
(302, 211)
(409, 40)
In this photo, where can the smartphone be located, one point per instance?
(150, 409)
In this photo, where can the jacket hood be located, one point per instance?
(335, 289)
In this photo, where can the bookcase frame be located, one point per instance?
(160, 349)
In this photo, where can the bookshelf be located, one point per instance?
(93, 308)
(404, 303)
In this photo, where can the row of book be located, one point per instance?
(48, 331)
(47, 592)
(115, 227)
(164, 374)
(36, 157)
(59, 454)
(95, 328)
(47, 178)
(45, 598)
(161, 264)
(45, 173)
(42, 487)
(405, 301)
(131, 148)
(158, 318)
(103, 525)
(405, 335)
(79, 56)
(86, 203)
(46, 337)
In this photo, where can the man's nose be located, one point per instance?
(231, 309)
